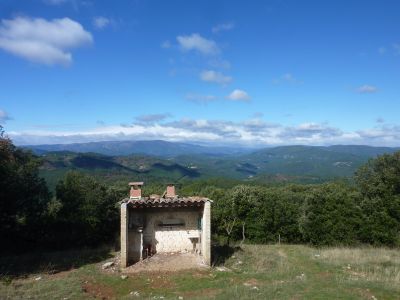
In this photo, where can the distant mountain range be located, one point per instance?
(325, 162)
(154, 148)
(160, 160)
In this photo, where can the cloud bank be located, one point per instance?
(251, 132)
(42, 41)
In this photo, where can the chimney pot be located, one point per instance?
(136, 190)
(170, 191)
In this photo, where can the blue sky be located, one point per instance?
(223, 72)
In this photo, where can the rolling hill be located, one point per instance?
(288, 162)
(112, 168)
(306, 164)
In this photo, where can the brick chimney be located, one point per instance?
(170, 191)
(136, 190)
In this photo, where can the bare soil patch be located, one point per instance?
(167, 262)
(99, 291)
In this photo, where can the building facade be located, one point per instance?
(164, 224)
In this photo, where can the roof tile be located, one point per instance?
(157, 201)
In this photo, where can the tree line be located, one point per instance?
(334, 213)
(85, 212)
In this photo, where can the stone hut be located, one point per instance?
(167, 223)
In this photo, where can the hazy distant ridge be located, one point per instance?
(155, 148)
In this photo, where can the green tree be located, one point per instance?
(224, 220)
(23, 197)
(88, 213)
(379, 182)
(275, 215)
(332, 215)
(259, 214)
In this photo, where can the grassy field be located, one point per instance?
(250, 272)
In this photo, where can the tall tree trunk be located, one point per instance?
(243, 235)
(229, 228)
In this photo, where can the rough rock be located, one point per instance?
(223, 269)
(107, 265)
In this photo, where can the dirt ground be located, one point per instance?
(167, 262)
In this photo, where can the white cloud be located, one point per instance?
(4, 117)
(153, 118)
(213, 76)
(223, 27)
(101, 22)
(42, 41)
(196, 42)
(367, 89)
(238, 95)
(381, 135)
(198, 98)
(250, 132)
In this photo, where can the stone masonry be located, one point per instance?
(168, 224)
(124, 235)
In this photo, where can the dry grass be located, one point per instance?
(250, 272)
(365, 264)
(263, 259)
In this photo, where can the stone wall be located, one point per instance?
(124, 235)
(168, 229)
(172, 238)
(206, 234)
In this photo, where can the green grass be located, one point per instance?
(254, 272)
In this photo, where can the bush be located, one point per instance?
(88, 214)
(332, 215)
(379, 183)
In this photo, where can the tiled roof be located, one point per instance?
(153, 201)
